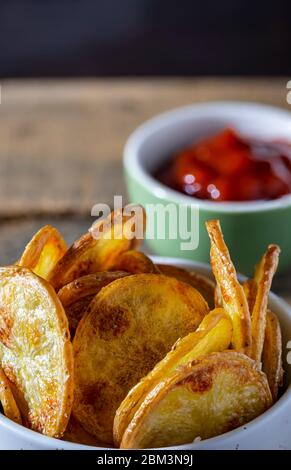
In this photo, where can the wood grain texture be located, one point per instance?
(61, 142)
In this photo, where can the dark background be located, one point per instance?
(58, 38)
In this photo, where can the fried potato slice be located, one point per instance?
(202, 283)
(129, 326)
(76, 433)
(134, 262)
(35, 349)
(43, 251)
(232, 294)
(213, 334)
(263, 277)
(7, 400)
(217, 297)
(249, 287)
(77, 295)
(207, 397)
(89, 254)
(272, 354)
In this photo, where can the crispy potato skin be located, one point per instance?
(217, 297)
(35, 350)
(203, 284)
(207, 397)
(89, 255)
(272, 354)
(130, 326)
(250, 289)
(78, 294)
(232, 293)
(7, 400)
(134, 262)
(43, 251)
(263, 277)
(213, 334)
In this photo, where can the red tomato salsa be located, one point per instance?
(227, 167)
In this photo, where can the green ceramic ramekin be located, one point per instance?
(248, 227)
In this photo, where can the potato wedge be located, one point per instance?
(134, 262)
(35, 349)
(263, 277)
(7, 400)
(249, 287)
(76, 433)
(203, 284)
(232, 294)
(272, 354)
(77, 295)
(130, 326)
(213, 334)
(89, 255)
(217, 297)
(43, 251)
(207, 397)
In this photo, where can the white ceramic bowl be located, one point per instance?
(271, 430)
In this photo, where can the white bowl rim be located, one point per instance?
(54, 443)
(161, 191)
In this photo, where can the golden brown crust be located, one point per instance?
(35, 349)
(135, 262)
(250, 289)
(272, 354)
(130, 326)
(213, 334)
(263, 277)
(217, 297)
(89, 254)
(205, 398)
(7, 400)
(43, 251)
(203, 284)
(232, 293)
(78, 294)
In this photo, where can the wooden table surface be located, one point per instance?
(61, 144)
